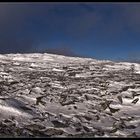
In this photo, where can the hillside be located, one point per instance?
(45, 95)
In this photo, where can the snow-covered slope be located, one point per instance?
(46, 95)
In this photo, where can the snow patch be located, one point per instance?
(10, 110)
(58, 70)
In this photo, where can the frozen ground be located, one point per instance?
(45, 95)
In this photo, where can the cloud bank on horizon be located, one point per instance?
(100, 30)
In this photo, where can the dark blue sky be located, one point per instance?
(97, 30)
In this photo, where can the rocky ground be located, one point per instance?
(44, 95)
